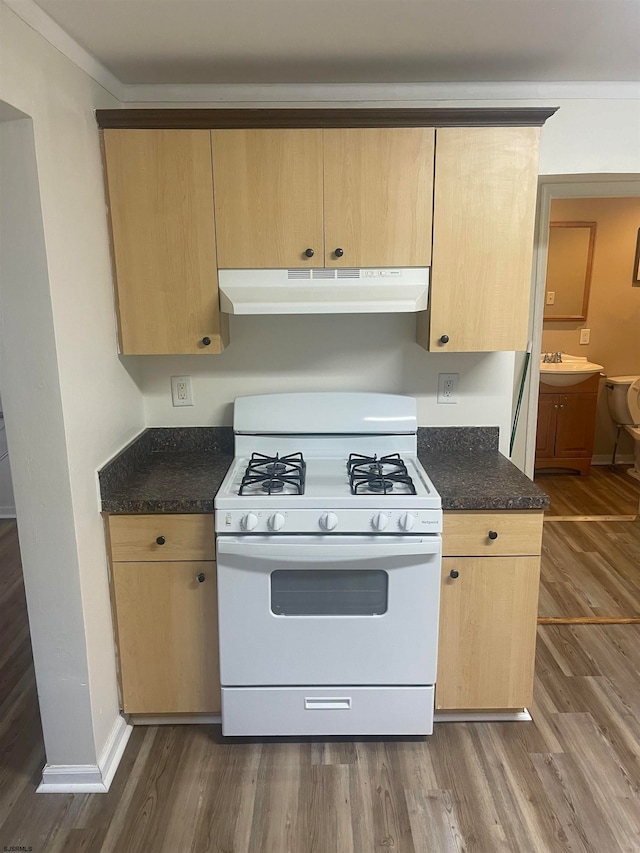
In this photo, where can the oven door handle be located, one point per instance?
(324, 551)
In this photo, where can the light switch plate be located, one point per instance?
(551, 297)
(585, 336)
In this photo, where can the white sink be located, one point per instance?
(572, 370)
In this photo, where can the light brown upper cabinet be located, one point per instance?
(323, 197)
(268, 198)
(484, 211)
(160, 196)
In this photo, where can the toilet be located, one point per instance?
(623, 394)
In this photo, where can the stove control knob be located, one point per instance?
(250, 521)
(380, 521)
(276, 522)
(329, 521)
(407, 521)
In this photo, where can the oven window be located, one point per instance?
(311, 592)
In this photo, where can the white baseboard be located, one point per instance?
(482, 717)
(605, 459)
(7, 512)
(88, 778)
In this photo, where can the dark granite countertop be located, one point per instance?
(181, 469)
(168, 470)
(481, 481)
(469, 472)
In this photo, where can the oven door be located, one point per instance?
(316, 610)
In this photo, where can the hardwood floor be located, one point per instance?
(568, 781)
(591, 569)
(605, 491)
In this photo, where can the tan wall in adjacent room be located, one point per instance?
(613, 314)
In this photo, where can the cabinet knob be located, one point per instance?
(444, 339)
(206, 342)
(201, 577)
(309, 253)
(454, 573)
(493, 534)
(338, 252)
(160, 540)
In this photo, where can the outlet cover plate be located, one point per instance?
(181, 393)
(585, 336)
(448, 387)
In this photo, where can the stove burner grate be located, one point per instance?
(379, 476)
(274, 474)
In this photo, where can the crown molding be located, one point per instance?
(350, 94)
(36, 18)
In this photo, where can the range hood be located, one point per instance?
(324, 291)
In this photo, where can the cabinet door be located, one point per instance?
(167, 632)
(487, 632)
(160, 194)
(546, 430)
(576, 424)
(378, 196)
(268, 198)
(484, 209)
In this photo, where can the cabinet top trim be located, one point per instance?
(181, 119)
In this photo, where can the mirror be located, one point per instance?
(569, 263)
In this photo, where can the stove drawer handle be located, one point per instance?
(319, 703)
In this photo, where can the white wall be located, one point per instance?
(69, 402)
(330, 353)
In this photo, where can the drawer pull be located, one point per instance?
(317, 703)
(160, 540)
(454, 573)
(201, 577)
(493, 534)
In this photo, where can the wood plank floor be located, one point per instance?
(605, 491)
(568, 781)
(591, 568)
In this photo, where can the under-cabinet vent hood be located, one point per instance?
(324, 291)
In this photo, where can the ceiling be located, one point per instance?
(356, 41)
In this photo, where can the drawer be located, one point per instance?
(137, 538)
(281, 711)
(467, 534)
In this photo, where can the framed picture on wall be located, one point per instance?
(636, 263)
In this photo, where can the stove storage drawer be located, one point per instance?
(295, 711)
(163, 537)
(491, 534)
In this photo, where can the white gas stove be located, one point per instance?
(328, 540)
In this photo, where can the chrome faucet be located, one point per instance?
(552, 358)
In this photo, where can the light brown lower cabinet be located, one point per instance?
(488, 610)
(165, 615)
(487, 632)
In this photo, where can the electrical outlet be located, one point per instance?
(585, 336)
(448, 387)
(551, 297)
(181, 394)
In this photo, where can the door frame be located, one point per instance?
(550, 187)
